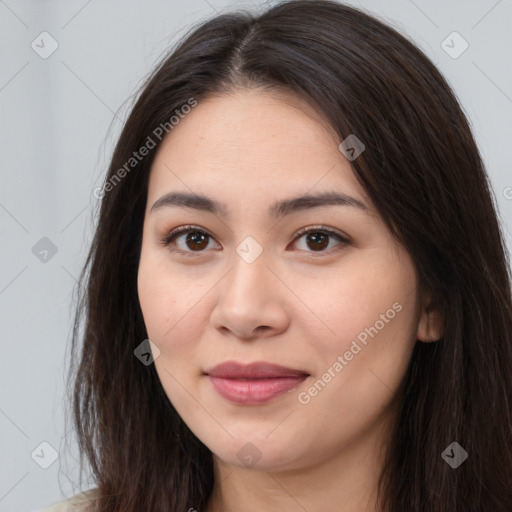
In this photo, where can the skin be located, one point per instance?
(293, 305)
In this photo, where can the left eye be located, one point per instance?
(316, 238)
(319, 238)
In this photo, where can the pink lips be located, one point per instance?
(254, 383)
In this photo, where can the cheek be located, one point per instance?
(171, 308)
(371, 315)
(359, 369)
(349, 303)
(159, 298)
(171, 314)
(156, 301)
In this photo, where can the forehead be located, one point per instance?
(252, 142)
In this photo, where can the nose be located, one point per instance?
(251, 301)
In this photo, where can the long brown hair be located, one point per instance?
(421, 169)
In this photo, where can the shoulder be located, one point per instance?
(77, 503)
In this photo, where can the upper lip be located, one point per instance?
(255, 370)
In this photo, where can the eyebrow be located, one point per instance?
(278, 210)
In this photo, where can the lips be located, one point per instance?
(255, 383)
(257, 370)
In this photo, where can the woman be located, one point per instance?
(297, 296)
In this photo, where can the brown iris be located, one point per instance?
(320, 240)
(199, 240)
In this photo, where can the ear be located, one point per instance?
(430, 326)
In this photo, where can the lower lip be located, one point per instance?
(256, 391)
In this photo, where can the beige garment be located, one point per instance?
(77, 503)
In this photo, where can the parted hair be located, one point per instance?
(421, 169)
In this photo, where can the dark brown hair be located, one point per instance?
(422, 171)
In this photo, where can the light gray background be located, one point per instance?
(60, 117)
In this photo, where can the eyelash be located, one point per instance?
(169, 237)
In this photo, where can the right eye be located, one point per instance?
(196, 239)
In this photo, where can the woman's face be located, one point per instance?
(243, 285)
